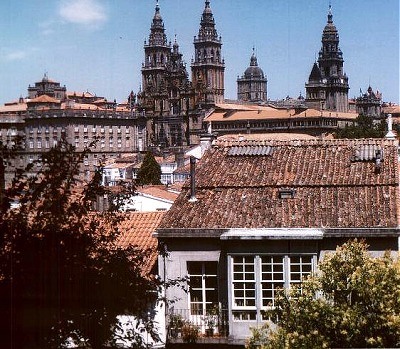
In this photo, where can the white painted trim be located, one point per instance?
(273, 233)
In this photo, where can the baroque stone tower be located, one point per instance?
(208, 66)
(166, 91)
(252, 86)
(328, 86)
(369, 103)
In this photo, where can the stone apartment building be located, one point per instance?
(51, 113)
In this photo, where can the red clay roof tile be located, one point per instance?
(332, 188)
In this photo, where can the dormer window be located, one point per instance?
(286, 193)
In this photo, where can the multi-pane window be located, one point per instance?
(256, 280)
(244, 281)
(272, 278)
(203, 286)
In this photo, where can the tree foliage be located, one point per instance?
(353, 301)
(150, 171)
(364, 127)
(62, 274)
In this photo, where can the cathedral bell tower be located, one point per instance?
(157, 54)
(154, 95)
(329, 87)
(208, 66)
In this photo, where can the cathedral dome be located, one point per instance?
(254, 71)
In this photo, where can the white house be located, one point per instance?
(151, 198)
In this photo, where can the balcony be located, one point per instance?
(184, 327)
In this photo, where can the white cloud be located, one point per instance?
(86, 12)
(15, 55)
(47, 27)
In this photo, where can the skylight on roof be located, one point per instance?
(250, 150)
(368, 152)
(286, 193)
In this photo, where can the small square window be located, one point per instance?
(287, 193)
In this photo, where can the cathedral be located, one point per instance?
(328, 86)
(252, 86)
(172, 104)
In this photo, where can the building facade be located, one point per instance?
(328, 86)
(261, 214)
(43, 121)
(252, 86)
(260, 119)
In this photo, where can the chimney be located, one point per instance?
(206, 140)
(192, 179)
(179, 158)
(378, 161)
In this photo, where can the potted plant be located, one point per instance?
(211, 321)
(190, 332)
(175, 325)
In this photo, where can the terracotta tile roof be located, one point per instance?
(183, 169)
(332, 186)
(137, 229)
(393, 109)
(44, 99)
(265, 136)
(157, 191)
(13, 108)
(81, 106)
(118, 165)
(268, 112)
(79, 94)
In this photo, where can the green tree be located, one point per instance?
(62, 274)
(363, 128)
(353, 301)
(150, 171)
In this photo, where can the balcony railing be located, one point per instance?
(183, 324)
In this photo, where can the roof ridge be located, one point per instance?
(307, 142)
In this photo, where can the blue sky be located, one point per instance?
(97, 45)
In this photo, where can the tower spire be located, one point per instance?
(208, 66)
(331, 90)
(330, 15)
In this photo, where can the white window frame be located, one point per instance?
(205, 304)
(283, 276)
